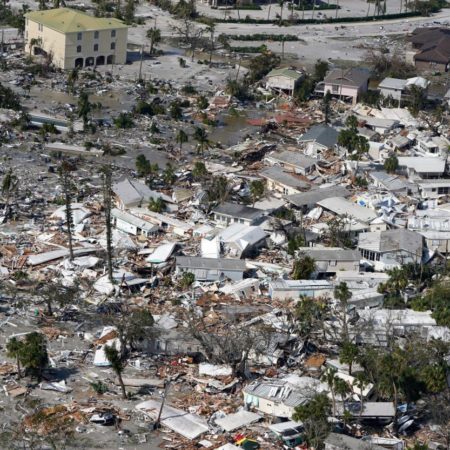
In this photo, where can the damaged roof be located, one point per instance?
(237, 210)
(316, 195)
(277, 174)
(132, 192)
(322, 134)
(391, 240)
(197, 262)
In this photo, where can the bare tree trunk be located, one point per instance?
(49, 307)
(19, 372)
(122, 386)
(68, 204)
(107, 207)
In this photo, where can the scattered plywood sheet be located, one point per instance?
(237, 420)
(188, 425)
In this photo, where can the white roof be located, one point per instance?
(241, 234)
(210, 248)
(228, 447)
(237, 420)
(133, 220)
(163, 218)
(418, 81)
(162, 253)
(282, 284)
(392, 83)
(188, 425)
(398, 317)
(246, 283)
(79, 213)
(283, 426)
(422, 164)
(341, 206)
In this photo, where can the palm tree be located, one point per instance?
(360, 383)
(342, 388)
(201, 136)
(304, 266)
(330, 378)
(154, 34)
(113, 356)
(13, 348)
(343, 294)
(181, 138)
(84, 108)
(72, 79)
(281, 3)
(257, 189)
(211, 29)
(157, 205)
(169, 174)
(349, 354)
(9, 185)
(33, 42)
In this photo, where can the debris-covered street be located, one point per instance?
(224, 225)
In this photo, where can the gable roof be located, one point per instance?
(421, 36)
(278, 175)
(435, 51)
(344, 442)
(391, 240)
(342, 206)
(237, 210)
(434, 44)
(285, 72)
(132, 192)
(316, 195)
(66, 20)
(331, 253)
(423, 164)
(351, 77)
(322, 134)
(389, 181)
(296, 159)
(392, 83)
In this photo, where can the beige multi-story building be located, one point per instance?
(75, 39)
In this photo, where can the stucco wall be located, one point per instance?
(64, 46)
(52, 41)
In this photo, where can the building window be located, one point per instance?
(113, 45)
(78, 48)
(113, 33)
(95, 47)
(79, 36)
(96, 34)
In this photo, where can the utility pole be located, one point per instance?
(140, 63)
(166, 390)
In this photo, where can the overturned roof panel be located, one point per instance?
(188, 425)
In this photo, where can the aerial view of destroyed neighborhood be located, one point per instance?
(224, 224)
